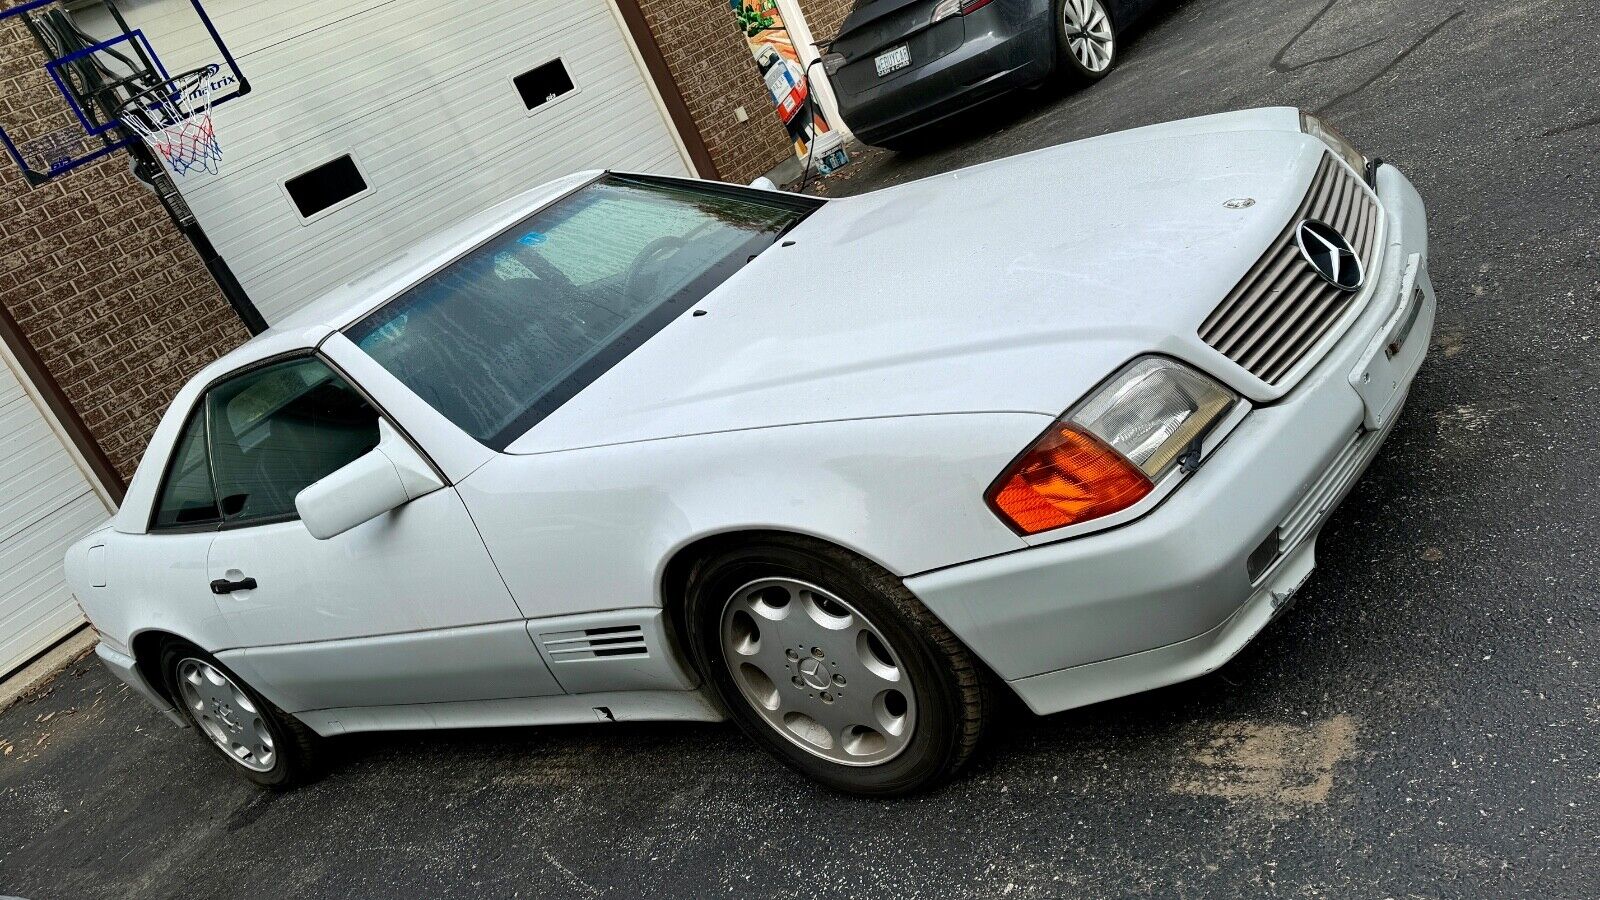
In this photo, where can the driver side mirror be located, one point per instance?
(387, 477)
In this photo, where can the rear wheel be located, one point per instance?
(1086, 41)
(260, 741)
(831, 664)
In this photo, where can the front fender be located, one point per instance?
(584, 530)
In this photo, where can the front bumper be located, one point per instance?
(1169, 597)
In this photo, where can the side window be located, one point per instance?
(187, 497)
(276, 430)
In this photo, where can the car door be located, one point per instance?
(405, 608)
(160, 575)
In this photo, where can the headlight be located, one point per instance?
(1109, 451)
(1336, 142)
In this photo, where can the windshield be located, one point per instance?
(504, 335)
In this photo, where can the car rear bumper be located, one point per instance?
(127, 668)
(1004, 49)
(1169, 596)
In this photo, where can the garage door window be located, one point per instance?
(545, 84)
(326, 186)
(276, 430)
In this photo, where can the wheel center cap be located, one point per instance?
(224, 712)
(814, 672)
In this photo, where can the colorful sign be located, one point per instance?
(781, 69)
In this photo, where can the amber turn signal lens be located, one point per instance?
(1066, 477)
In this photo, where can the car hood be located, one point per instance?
(1014, 286)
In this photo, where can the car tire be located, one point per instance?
(1086, 42)
(831, 664)
(261, 742)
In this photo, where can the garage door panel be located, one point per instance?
(562, 138)
(444, 191)
(38, 477)
(457, 129)
(420, 93)
(32, 560)
(427, 59)
(46, 503)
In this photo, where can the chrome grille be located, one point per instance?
(1282, 307)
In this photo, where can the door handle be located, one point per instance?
(224, 586)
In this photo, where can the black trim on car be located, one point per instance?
(800, 206)
(150, 525)
(226, 523)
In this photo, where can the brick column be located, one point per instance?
(716, 74)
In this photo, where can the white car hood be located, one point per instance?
(1012, 286)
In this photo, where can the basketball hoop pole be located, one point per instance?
(148, 169)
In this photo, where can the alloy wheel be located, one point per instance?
(1089, 34)
(226, 714)
(818, 672)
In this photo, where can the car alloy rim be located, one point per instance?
(1089, 34)
(226, 714)
(818, 672)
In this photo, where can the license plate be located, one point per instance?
(893, 60)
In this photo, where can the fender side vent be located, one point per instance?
(595, 643)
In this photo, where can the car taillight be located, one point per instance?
(1066, 477)
(948, 8)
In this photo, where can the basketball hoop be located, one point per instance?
(174, 119)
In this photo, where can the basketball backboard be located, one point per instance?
(83, 63)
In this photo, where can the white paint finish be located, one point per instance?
(420, 92)
(873, 417)
(417, 568)
(480, 662)
(622, 706)
(46, 503)
(389, 476)
(906, 492)
(1014, 285)
(562, 641)
(1018, 612)
(155, 582)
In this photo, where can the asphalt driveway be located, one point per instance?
(1423, 724)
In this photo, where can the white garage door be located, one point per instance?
(46, 503)
(423, 96)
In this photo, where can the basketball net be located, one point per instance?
(174, 120)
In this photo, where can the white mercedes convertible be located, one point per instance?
(626, 448)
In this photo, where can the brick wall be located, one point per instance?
(715, 72)
(110, 295)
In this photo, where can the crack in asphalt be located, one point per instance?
(1393, 63)
(1278, 64)
(1575, 126)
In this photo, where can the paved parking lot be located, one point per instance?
(1423, 724)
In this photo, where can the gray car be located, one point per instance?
(899, 66)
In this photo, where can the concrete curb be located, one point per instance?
(37, 674)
